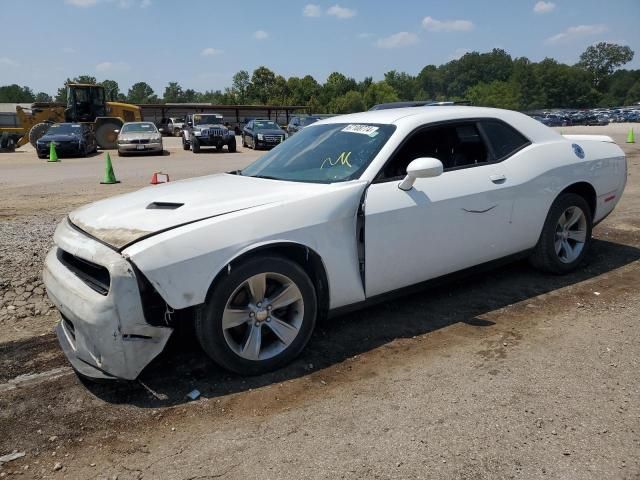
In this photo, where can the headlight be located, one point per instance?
(260, 136)
(197, 133)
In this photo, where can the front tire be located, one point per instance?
(566, 235)
(195, 145)
(232, 145)
(259, 316)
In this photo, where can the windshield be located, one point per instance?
(265, 125)
(146, 127)
(334, 152)
(65, 128)
(207, 120)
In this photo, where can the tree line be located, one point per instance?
(493, 79)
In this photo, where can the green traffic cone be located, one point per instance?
(109, 176)
(53, 156)
(630, 137)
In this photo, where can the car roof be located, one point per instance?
(412, 117)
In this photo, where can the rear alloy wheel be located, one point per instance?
(259, 317)
(566, 235)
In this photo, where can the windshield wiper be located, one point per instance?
(268, 177)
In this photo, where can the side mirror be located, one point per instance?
(116, 131)
(421, 168)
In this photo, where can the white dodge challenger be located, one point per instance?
(347, 210)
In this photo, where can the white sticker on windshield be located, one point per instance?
(363, 129)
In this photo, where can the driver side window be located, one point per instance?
(456, 145)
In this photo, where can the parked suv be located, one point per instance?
(207, 130)
(171, 126)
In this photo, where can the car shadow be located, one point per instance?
(183, 366)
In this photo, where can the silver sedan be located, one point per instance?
(139, 137)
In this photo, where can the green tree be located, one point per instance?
(43, 97)
(405, 85)
(16, 94)
(633, 97)
(111, 89)
(429, 83)
(496, 94)
(601, 59)
(350, 102)
(240, 86)
(380, 92)
(141, 92)
(173, 93)
(473, 68)
(262, 84)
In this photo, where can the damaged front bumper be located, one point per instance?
(103, 330)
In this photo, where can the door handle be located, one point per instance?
(498, 178)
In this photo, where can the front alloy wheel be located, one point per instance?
(263, 316)
(259, 316)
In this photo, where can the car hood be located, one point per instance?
(121, 221)
(59, 137)
(137, 135)
(273, 131)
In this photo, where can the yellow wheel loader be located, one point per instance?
(85, 104)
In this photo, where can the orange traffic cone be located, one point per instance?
(159, 177)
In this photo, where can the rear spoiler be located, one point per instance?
(595, 138)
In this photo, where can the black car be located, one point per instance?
(297, 123)
(69, 139)
(262, 134)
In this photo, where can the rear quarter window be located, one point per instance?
(504, 139)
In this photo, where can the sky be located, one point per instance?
(202, 43)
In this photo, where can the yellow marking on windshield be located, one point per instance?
(343, 159)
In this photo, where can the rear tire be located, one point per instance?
(185, 145)
(565, 237)
(271, 335)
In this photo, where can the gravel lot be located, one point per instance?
(507, 374)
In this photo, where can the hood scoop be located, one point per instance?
(164, 206)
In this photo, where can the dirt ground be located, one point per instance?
(505, 374)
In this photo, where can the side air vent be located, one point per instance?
(164, 206)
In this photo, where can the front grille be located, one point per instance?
(140, 140)
(213, 132)
(95, 276)
(273, 138)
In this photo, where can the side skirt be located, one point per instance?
(443, 280)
